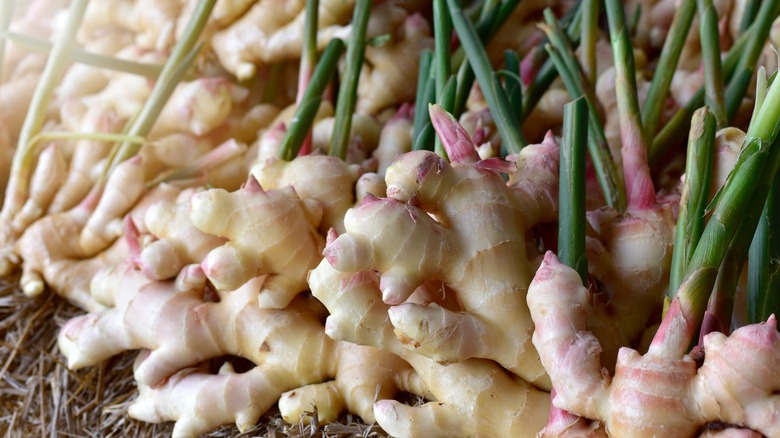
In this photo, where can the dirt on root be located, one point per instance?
(40, 396)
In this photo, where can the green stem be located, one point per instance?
(497, 100)
(570, 72)
(665, 140)
(690, 219)
(442, 31)
(173, 71)
(300, 124)
(345, 106)
(547, 73)
(749, 14)
(82, 57)
(640, 193)
(571, 201)
(422, 99)
(746, 186)
(746, 65)
(764, 261)
(589, 32)
(715, 94)
(309, 49)
(513, 84)
(24, 157)
(667, 64)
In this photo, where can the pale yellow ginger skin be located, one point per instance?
(178, 242)
(325, 179)
(394, 140)
(631, 255)
(52, 252)
(270, 232)
(123, 189)
(547, 114)
(288, 346)
(17, 91)
(398, 237)
(470, 398)
(272, 31)
(535, 183)
(126, 93)
(153, 21)
(364, 136)
(659, 394)
(49, 175)
(196, 107)
(82, 79)
(390, 68)
(517, 32)
(86, 157)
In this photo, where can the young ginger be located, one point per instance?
(661, 393)
(269, 232)
(178, 242)
(474, 397)
(180, 329)
(432, 228)
(325, 179)
(272, 31)
(52, 253)
(390, 68)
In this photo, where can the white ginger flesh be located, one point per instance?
(270, 232)
(469, 398)
(459, 226)
(661, 393)
(325, 179)
(180, 329)
(272, 31)
(390, 68)
(177, 242)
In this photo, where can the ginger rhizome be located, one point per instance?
(268, 232)
(179, 328)
(466, 248)
(662, 392)
(468, 398)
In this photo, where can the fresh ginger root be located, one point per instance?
(394, 140)
(469, 398)
(389, 69)
(269, 232)
(52, 252)
(179, 242)
(325, 179)
(459, 225)
(288, 346)
(661, 393)
(272, 31)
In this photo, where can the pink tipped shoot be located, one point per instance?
(368, 199)
(252, 185)
(132, 235)
(405, 112)
(456, 141)
(332, 235)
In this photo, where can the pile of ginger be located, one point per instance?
(347, 284)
